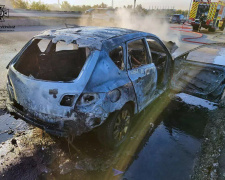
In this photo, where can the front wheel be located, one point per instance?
(114, 131)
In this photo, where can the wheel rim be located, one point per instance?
(122, 124)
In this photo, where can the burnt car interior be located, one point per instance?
(117, 57)
(46, 60)
(159, 58)
(137, 54)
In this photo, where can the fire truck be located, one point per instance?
(214, 13)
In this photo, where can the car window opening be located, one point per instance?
(117, 57)
(137, 53)
(49, 61)
(159, 58)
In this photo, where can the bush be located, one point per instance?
(65, 6)
(39, 6)
(20, 4)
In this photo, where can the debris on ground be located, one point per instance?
(13, 141)
(39, 154)
(207, 165)
(3, 97)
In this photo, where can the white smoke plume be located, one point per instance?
(126, 18)
(153, 23)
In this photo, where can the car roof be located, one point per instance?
(92, 37)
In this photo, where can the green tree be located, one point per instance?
(139, 7)
(65, 6)
(184, 12)
(129, 7)
(20, 4)
(102, 5)
(39, 6)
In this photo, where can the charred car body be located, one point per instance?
(70, 81)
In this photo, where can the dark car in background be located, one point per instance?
(178, 18)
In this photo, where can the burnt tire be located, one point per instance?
(115, 130)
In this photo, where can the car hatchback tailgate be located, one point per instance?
(40, 97)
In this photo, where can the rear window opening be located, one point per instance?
(49, 61)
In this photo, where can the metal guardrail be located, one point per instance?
(34, 13)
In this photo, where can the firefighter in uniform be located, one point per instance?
(202, 21)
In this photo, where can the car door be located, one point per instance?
(141, 71)
(201, 72)
(162, 59)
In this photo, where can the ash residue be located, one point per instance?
(34, 154)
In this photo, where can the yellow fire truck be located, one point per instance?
(214, 12)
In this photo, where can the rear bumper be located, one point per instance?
(50, 128)
(63, 127)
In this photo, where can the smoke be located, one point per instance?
(7, 3)
(155, 23)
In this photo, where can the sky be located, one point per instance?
(177, 4)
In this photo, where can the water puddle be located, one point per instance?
(171, 150)
(9, 126)
(163, 144)
(164, 149)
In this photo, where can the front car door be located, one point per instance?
(201, 72)
(162, 59)
(141, 71)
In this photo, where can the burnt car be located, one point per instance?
(73, 80)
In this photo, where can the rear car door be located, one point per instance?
(141, 71)
(201, 72)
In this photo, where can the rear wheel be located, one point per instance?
(221, 28)
(114, 131)
(212, 29)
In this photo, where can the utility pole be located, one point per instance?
(134, 4)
